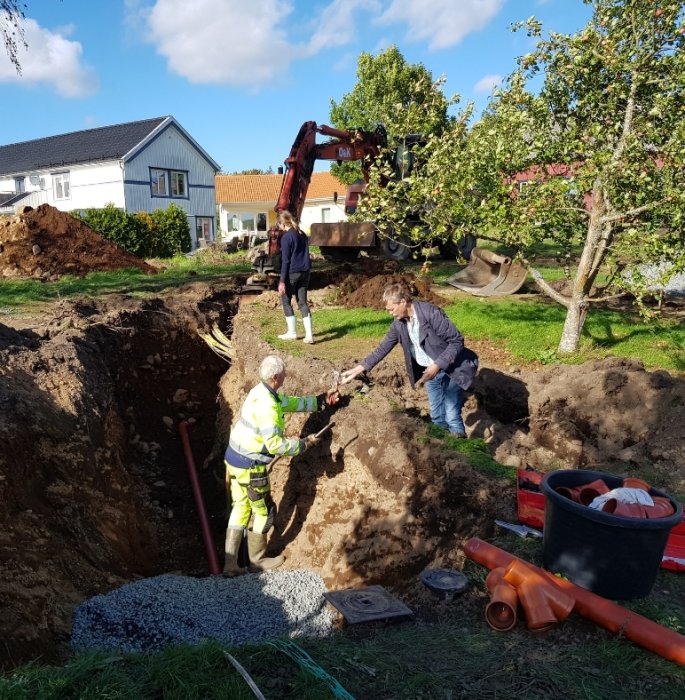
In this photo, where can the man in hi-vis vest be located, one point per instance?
(256, 438)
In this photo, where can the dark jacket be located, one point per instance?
(439, 338)
(295, 253)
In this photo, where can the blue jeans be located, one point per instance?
(446, 400)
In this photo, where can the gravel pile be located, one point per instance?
(153, 613)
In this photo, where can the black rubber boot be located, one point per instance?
(234, 539)
(256, 547)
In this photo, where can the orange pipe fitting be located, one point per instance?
(572, 493)
(544, 603)
(625, 510)
(644, 632)
(662, 508)
(632, 482)
(500, 612)
(588, 492)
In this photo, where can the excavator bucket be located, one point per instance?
(489, 275)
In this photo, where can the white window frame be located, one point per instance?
(60, 185)
(179, 177)
(20, 184)
(158, 176)
(325, 215)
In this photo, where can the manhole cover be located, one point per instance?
(365, 604)
(445, 583)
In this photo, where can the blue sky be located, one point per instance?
(242, 75)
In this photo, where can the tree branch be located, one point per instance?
(545, 286)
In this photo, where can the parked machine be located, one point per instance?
(344, 240)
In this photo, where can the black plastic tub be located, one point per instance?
(613, 556)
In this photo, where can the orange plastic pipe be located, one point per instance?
(544, 603)
(500, 612)
(199, 502)
(638, 629)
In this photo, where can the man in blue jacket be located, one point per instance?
(434, 353)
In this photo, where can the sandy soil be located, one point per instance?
(94, 484)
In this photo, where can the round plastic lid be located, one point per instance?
(446, 581)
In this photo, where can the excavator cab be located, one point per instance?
(489, 274)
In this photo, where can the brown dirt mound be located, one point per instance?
(46, 243)
(360, 291)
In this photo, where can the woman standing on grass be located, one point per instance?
(296, 266)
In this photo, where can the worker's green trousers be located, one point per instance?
(250, 494)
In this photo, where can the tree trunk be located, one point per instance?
(573, 326)
(577, 305)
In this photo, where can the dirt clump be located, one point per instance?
(46, 243)
(357, 291)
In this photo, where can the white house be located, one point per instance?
(137, 166)
(246, 203)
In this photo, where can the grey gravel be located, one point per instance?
(153, 613)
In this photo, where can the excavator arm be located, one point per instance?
(343, 145)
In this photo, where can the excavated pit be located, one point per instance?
(92, 474)
(95, 487)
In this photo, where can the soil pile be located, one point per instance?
(46, 243)
(357, 291)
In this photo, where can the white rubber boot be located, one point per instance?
(291, 333)
(308, 337)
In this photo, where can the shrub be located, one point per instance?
(162, 234)
(172, 231)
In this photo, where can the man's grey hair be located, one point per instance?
(271, 366)
(397, 291)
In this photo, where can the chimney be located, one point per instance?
(280, 170)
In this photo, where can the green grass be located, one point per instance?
(15, 294)
(528, 329)
(455, 657)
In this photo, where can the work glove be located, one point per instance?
(310, 441)
(330, 398)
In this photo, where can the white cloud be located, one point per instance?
(50, 58)
(236, 42)
(487, 83)
(336, 24)
(441, 23)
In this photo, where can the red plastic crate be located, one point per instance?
(674, 554)
(529, 499)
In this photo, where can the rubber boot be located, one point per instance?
(234, 538)
(256, 548)
(308, 337)
(291, 333)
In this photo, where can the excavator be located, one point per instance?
(343, 241)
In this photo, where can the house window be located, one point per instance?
(168, 183)
(158, 183)
(179, 184)
(203, 229)
(60, 185)
(326, 215)
(247, 221)
(20, 184)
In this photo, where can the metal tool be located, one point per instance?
(520, 530)
(276, 459)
